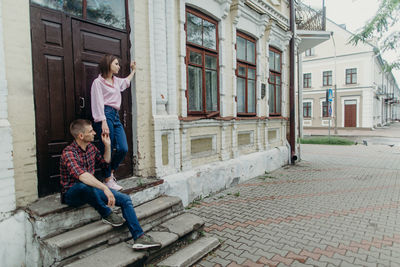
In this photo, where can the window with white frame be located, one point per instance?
(327, 78)
(324, 107)
(351, 76)
(310, 52)
(202, 63)
(307, 80)
(307, 109)
(246, 74)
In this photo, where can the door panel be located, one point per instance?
(53, 91)
(90, 43)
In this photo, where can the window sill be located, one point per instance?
(278, 118)
(229, 118)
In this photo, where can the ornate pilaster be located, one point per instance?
(185, 152)
(224, 144)
(234, 140)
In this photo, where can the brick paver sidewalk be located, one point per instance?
(338, 207)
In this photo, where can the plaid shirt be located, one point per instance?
(75, 161)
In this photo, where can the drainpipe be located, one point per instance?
(292, 139)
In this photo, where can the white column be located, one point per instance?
(266, 134)
(224, 144)
(182, 55)
(234, 140)
(222, 65)
(158, 49)
(171, 57)
(185, 152)
(259, 77)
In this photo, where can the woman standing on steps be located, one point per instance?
(106, 102)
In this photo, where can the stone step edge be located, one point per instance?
(95, 228)
(192, 253)
(126, 255)
(54, 205)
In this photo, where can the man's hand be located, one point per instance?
(110, 197)
(104, 127)
(105, 137)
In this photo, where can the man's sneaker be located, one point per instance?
(114, 219)
(145, 242)
(112, 184)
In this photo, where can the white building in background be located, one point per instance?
(367, 97)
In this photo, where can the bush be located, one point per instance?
(326, 140)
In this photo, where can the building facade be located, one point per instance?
(208, 107)
(367, 97)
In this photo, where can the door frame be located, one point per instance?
(357, 99)
(69, 31)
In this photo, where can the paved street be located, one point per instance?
(338, 207)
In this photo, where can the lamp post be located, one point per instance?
(335, 88)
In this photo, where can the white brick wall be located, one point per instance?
(7, 185)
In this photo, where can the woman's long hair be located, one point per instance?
(105, 63)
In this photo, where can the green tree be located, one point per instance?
(381, 26)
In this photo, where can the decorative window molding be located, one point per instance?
(206, 144)
(245, 139)
(264, 7)
(307, 122)
(217, 10)
(279, 39)
(273, 135)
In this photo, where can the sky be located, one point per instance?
(353, 13)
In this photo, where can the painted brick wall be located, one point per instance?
(7, 192)
(143, 92)
(18, 65)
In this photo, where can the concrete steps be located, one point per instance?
(57, 248)
(170, 236)
(49, 217)
(67, 236)
(191, 253)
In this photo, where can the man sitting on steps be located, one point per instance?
(79, 185)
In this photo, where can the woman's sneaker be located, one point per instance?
(112, 184)
(145, 242)
(114, 219)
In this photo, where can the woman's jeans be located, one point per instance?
(117, 137)
(80, 194)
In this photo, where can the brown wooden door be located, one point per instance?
(350, 115)
(90, 43)
(54, 92)
(65, 53)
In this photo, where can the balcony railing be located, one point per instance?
(310, 19)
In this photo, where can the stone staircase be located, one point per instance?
(76, 237)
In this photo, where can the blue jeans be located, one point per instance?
(117, 137)
(80, 194)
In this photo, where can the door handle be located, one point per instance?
(125, 118)
(82, 102)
